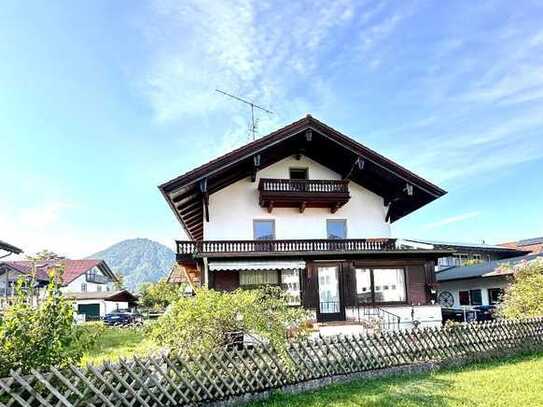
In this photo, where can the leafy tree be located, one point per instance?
(523, 298)
(203, 323)
(159, 295)
(39, 336)
(120, 283)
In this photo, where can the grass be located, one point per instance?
(117, 343)
(513, 381)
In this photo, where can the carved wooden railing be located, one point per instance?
(303, 186)
(284, 246)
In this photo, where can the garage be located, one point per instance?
(91, 311)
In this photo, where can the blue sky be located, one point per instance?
(102, 101)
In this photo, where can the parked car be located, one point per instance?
(123, 317)
(485, 312)
(458, 315)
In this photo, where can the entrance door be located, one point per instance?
(331, 307)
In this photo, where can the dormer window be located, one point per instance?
(298, 173)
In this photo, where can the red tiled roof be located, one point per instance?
(72, 268)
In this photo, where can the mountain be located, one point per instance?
(138, 260)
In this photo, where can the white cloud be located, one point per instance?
(451, 220)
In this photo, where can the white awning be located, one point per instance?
(256, 265)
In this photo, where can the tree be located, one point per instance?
(523, 298)
(39, 336)
(159, 295)
(205, 322)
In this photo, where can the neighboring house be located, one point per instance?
(8, 249)
(87, 276)
(534, 245)
(463, 254)
(309, 209)
(478, 284)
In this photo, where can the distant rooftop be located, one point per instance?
(529, 242)
(487, 269)
(462, 245)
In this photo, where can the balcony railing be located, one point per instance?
(97, 278)
(294, 193)
(216, 247)
(303, 186)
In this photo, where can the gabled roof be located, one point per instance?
(533, 245)
(9, 248)
(72, 268)
(325, 145)
(120, 296)
(488, 269)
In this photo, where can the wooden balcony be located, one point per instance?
(290, 193)
(233, 248)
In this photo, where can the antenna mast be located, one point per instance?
(248, 102)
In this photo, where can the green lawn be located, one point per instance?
(511, 382)
(115, 343)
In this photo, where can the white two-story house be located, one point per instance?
(309, 209)
(89, 283)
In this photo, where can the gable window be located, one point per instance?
(298, 173)
(495, 295)
(380, 285)
(264, 229)
(98, 288)
(83, 287)
(336, 228)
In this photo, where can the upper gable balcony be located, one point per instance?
(302, 193)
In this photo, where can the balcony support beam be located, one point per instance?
(302, 206)
(270, 207)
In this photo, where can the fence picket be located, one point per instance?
(173, 380)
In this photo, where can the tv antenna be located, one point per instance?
(252, 130)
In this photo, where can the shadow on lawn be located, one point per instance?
(420, 390)
(424, 389)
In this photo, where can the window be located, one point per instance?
(298, 173)
(495, 295)
(463, 297)
(290, 282)
(264, 229)
(83, 288)
(258, 277)
(380, 285)
(476, 297)
(471, 297)
(336, 228)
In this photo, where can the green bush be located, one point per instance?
(39, 336)
(523, 298)
(200, 324)
(159, 295)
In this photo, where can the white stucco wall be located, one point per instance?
(465, 285)
(233, 209)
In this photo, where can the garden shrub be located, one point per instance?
(39, 336)
(523, 298)
(157, 296)
(204, 323)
